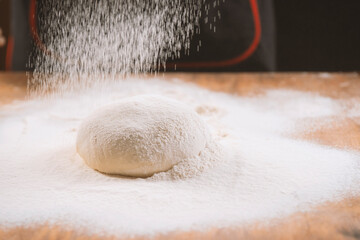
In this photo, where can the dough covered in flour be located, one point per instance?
(141, 135)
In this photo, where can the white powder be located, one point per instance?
(86, 42)
(262, 173)
(87, 38)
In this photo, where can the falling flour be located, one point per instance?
(87, 42)
(108, 38)
(261, 173)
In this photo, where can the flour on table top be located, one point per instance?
(259, 174)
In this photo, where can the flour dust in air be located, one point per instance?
(88, 42)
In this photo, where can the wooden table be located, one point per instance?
(332, 220)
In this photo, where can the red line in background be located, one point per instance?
(9, 53)
(33, 27)
(32, 22)
(246, 54)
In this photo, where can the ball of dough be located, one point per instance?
(141, 136)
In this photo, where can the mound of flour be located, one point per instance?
(260, 174)
(144, 135)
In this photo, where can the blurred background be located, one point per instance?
(251, 35)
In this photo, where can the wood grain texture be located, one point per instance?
(332, 220)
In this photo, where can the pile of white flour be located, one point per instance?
(262, 174)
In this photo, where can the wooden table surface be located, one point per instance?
(332, 220)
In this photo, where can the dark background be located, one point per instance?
(4, 24)
(311, 35)
(318, 35)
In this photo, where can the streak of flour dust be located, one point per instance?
(263, 175)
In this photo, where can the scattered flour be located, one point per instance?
(252, 171)
(325, 75)
(261, 173)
